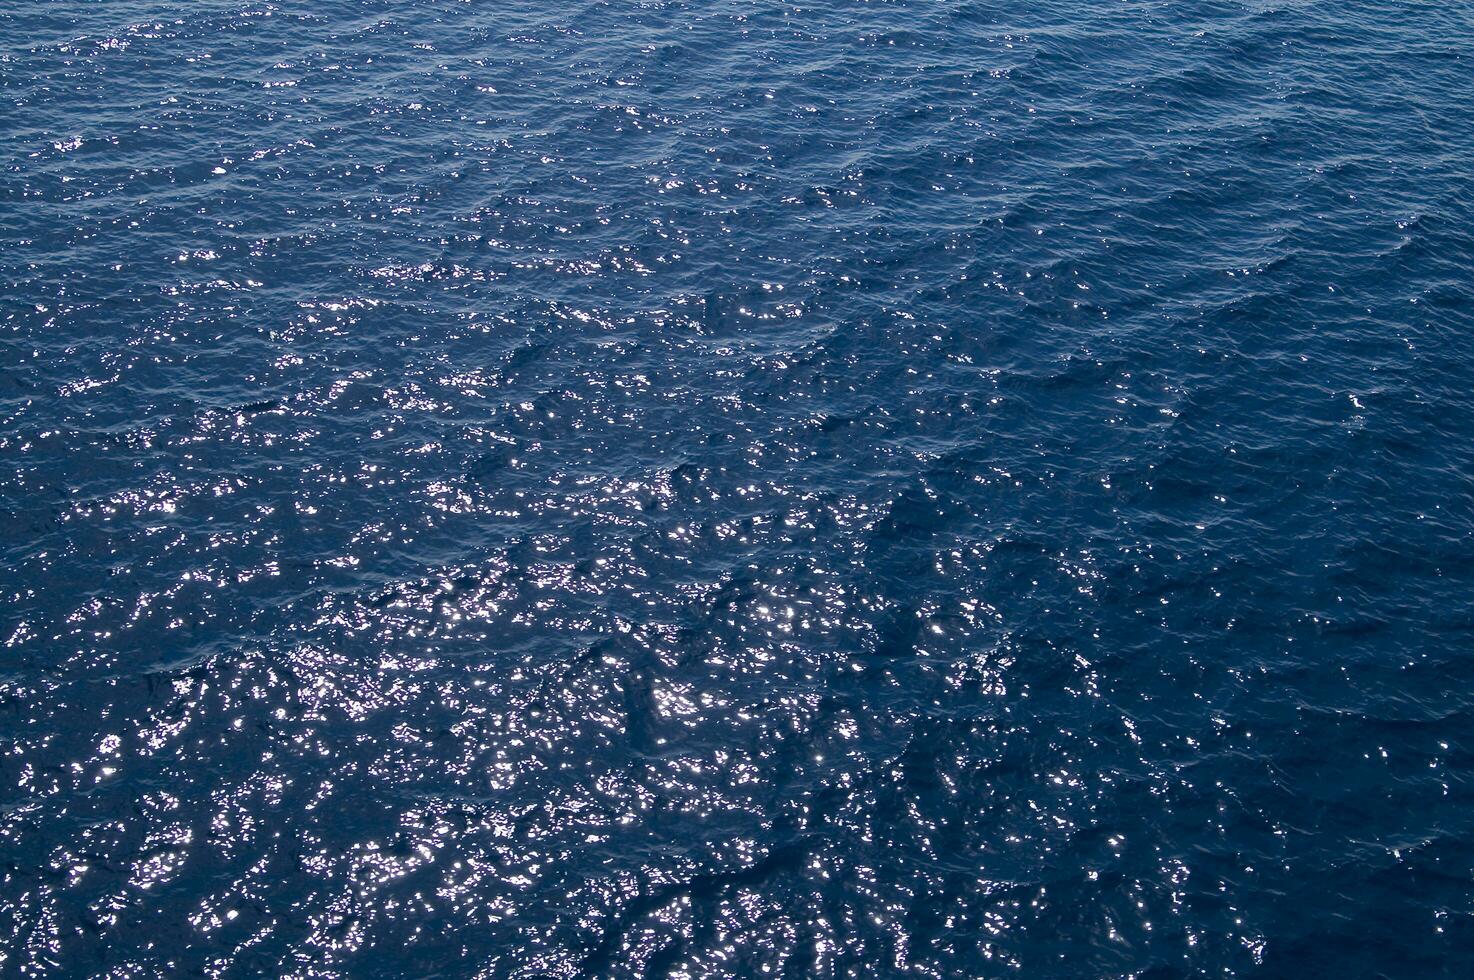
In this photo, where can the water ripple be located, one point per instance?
(710, 489)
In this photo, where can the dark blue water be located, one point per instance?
(730, 489)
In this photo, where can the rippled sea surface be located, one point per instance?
(734, 489)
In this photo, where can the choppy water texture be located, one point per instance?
(728, 489)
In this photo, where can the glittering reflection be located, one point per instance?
(689, 490)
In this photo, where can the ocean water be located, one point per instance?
(703, 488)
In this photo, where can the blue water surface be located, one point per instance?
(724, 488)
